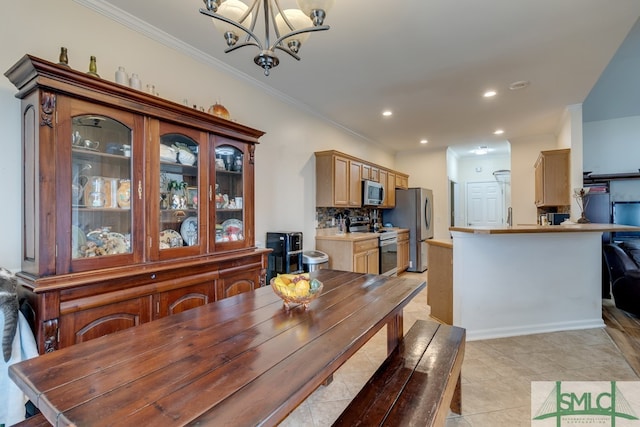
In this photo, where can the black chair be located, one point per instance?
(625, 277)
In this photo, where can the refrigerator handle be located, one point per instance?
(427, 213)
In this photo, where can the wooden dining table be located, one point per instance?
(240, 361)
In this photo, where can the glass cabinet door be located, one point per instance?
(229, 194)
(179, 191)
(101, 190)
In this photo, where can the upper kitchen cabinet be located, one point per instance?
(134, 207)
(339, 180)
(552, 178)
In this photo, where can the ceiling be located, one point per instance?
(429, 61)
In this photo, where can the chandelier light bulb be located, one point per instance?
(234, 10)
(298, 21)
(316, 9)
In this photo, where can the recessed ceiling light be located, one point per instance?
(482, 150)
(490, 93)
(498, 132)
(423, 141)
(387, 113)
(521, 84)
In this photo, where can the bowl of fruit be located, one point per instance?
(296, 288)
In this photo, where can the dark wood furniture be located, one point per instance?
(416, 385)
(243, 360)
(97, 259)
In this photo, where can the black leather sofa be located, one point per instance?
(623, 264)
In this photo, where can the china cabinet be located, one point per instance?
(135, 207)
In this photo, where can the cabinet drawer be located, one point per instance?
(365, 245)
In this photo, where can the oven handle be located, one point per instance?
(388, 242)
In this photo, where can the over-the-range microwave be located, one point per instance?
(372, 193)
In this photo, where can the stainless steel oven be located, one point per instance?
(388, 245)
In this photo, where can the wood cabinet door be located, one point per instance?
(403, 255)
(373, 262)
(85, 325)
(390, 193)
(355, 184)
(361, 262)
(340, 181)
(182, 299)
(236, 283)
(384, 181)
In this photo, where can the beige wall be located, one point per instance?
(285, 178)
(285, 167)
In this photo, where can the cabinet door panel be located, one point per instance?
(231, 196)
(237, 283)
(95, 202)
(177, 183)
(182, 299)
(341, 182)
(88, 324)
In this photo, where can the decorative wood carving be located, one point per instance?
(50, 334)
(252, 149)
(48, 105)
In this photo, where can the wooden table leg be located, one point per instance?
(394, 332)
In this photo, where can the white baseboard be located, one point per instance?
(485, 334)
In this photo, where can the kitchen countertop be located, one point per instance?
(569, 228)
(445, 243)
(355, 236)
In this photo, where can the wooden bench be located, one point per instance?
(37, 420)
(417, 383)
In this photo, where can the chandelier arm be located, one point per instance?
(239, 45)
(273, 19)
(289, 51)
(300, 31)
(246, 30)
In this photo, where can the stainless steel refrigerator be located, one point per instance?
(414, 210)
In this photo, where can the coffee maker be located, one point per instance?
(286, 256)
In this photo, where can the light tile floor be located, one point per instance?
(496, 374)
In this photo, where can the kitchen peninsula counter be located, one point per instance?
(528, 279)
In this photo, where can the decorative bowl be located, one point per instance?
(296, 289)
(186, 157)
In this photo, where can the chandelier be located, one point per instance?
(291, 27)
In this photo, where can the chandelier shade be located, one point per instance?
(288, 29)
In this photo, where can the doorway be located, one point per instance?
(485, 204)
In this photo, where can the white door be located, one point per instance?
(484, 204)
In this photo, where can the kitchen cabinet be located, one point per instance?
(552, 185)
(403, 250)
(402, 181)
(440, 280)
(135, 207)
(366, 257)
(351, 253)
(339, 180)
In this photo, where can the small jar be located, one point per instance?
(134, 82)
(124, 194)
(121, 76)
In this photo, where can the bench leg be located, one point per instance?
(456, 400)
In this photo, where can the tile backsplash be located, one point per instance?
(325, 216)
